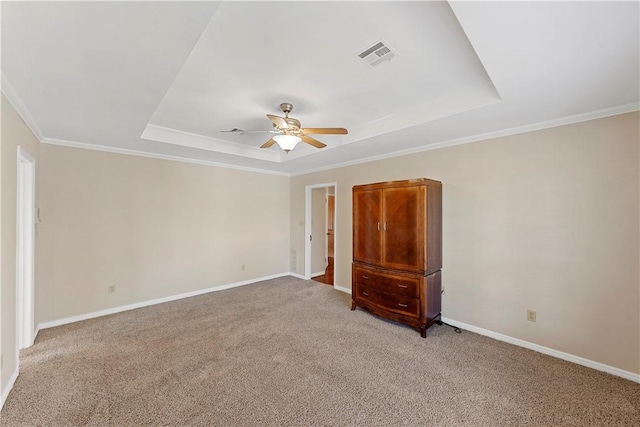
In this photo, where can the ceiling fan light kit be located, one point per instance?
(287, 142)
(289, 133)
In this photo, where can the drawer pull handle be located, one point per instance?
(365, 277)
(403, 286)
(403, 305)
(365, 294)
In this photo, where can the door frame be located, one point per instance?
(25, 248)
(307, 225)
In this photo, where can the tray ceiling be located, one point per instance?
(165, 78)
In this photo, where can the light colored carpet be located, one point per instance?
(290, 352)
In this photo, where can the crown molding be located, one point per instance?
(20, 107)
(202, 142)
(129, 152)
(584, 117)
(166, 135)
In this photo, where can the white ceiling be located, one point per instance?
(165, 78)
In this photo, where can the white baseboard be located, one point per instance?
(298, 276)
(60, 322)
(317, 274)
(341, 289)
(546, 350)
(8, 388)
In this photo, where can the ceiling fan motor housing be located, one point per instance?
(294, 123)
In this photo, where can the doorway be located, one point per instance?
(25, 245)
(324, 249)
(320, 226)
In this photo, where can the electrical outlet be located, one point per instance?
(111, 289)
(242, 268)
(531, 315)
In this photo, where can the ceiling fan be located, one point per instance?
(289, 133)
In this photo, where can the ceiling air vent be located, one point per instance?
(376, 54)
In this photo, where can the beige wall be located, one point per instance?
(14, 133)
(546, 220)
(153, 228)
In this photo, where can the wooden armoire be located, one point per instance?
(397, 251)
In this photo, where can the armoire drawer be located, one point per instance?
(395, 284)
(393, 302)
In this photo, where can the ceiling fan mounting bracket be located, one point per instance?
(286, 107)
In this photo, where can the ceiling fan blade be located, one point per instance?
(242, 131)
(312, 141)
(278, 121)
(326, 131)
(268, 144)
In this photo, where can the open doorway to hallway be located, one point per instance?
(321, 202)
(324, 248)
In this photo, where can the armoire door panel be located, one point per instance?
(367, 229)
(403, 228)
